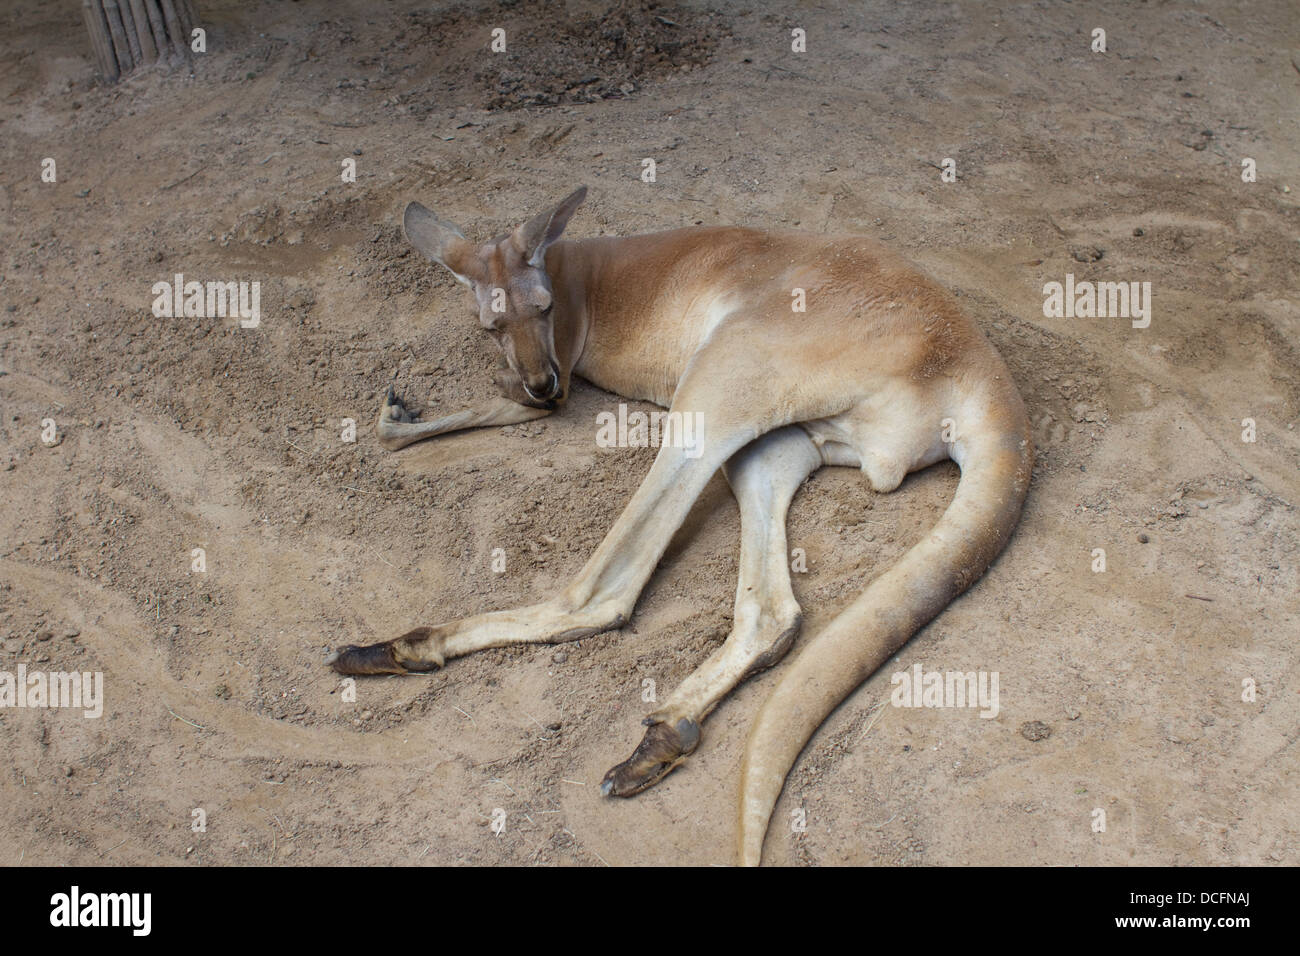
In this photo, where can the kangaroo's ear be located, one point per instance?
(532, 238)
(440, 241)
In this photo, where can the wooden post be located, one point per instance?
(120, 49)
(157, 27)
(128, 26)
(174, 27)
(142, 32)
(100, 42)
(187, 22)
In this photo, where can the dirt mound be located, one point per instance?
(580, 57)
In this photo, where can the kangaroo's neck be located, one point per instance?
(572, 271)
(618, 322)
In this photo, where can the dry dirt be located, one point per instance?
(176, 434)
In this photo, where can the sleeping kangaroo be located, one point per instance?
(879, 370)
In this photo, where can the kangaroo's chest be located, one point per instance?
(642, 353)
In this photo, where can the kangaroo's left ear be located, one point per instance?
(532, 238)
(441, 241)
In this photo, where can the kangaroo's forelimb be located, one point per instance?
(397, 428)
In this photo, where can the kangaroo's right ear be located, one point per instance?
(440, 241)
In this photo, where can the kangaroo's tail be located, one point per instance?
(995, 468)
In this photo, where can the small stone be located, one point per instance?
(1035, 730)
(560, 657)
(1143, 539)
(1139, 231)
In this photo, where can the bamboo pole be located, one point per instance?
(174, 27)
(120, 49)
(128, 27)
(100, 43)
(142, 32)
(157, 27)
(187, 21)
(87, 14)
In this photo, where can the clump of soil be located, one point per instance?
(580, 57)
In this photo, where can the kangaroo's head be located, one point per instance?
(508, 278)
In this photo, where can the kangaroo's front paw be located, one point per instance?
(394, 409)
(392, 415)
(413, 652)
(662, 750)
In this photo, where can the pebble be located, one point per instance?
(1035, 730)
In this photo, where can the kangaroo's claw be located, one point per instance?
(664, 747)
(415, 651)
(394, 409)
(370, 659)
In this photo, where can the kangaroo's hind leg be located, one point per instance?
(605, 591)
(764, 475)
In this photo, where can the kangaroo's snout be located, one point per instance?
(543, 388)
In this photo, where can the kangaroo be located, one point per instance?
(880, 370)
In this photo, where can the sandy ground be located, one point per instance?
(175, 434)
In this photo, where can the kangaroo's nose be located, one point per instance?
(543, 389)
